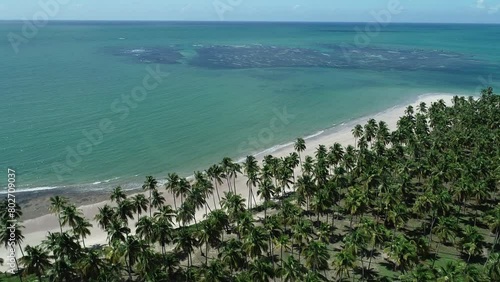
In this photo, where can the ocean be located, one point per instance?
(89, 105)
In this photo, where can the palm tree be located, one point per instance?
(166, 212)
(62, 271)
(157, 200)
(184, 242)
(117, 195)
(150, 185)
(316, 256)
(186, 213)
(216, 173)
(146, 228)
(172, 184)
(231, 171)
(234, 205)
(82, 229)
(183, 189)
(492, 219)
(63, 246)
(117, 231)
(266, 193)
(284, 243)
(129, 250)
(343, 263)
(104, 216)
(205, 188)
(261, 270)
(292, 270)
(36, 261)
(220, 220)
(140, 204)
(251, 169)
(213, 272)
(208, 235)
(357, 132)
(91, 265)
(355, 202)
(71, 216)
(302, 231)
(57, 205)
(471, 243)
(300, 146)
(492, 267)
(402, 252)
(445, 230)
(232, 254)
(255, 242)
(125, 210)
(419, 273)
(9, 236)
(452, 271)
(370, 130)
(163, 232)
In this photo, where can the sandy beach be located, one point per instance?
(37, 228)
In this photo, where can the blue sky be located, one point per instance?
(470, 11)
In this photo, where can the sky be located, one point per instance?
(448, 11)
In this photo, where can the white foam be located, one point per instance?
(314, 135)
(34, 189)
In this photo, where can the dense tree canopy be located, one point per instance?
(419, 203)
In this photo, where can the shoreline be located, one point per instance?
(38, 200)
(36, 228)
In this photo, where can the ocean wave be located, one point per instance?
(314, 135)
(34, 189)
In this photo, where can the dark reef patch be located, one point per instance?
(257, 56)
(400, 59)
(330, 56)
(148, 55)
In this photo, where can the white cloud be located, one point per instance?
(482, 5)
(185, 8)
(493, 10)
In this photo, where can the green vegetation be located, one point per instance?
(416, 204)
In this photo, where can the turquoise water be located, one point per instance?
(66, 78)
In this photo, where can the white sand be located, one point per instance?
(36, 229)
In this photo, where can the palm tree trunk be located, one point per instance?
(435, 254)
(371, 256)
(492, 248)
(60, 223)
(281, 247)
(254, 200)
(175, 202)
(228, 183)
(432, 226)
(217, 190)
(18, 272)
(150, 203)
(362, 269)
(206, 253)
(249, 197)
(129, 269)
(265, 211)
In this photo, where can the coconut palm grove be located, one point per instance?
(420, 203)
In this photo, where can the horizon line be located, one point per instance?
(248, 21)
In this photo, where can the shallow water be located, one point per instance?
(71, 76)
